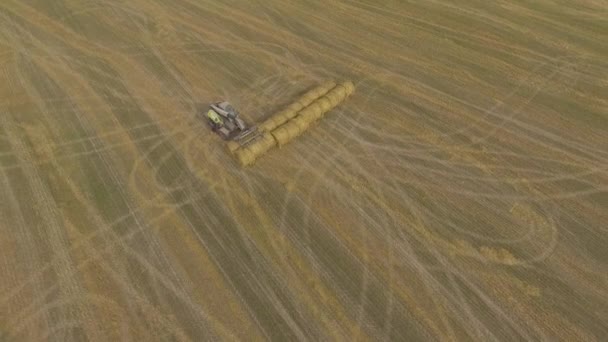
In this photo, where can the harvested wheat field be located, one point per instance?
(460, 193)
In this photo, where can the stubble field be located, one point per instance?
(461, 193)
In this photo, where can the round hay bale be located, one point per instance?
(267, 138)
(281, 136)
(320, 91)
(256, 148)
(274, 140)
(308, 99)
(325, 104)
(334, 100)
(325, 87)
(262, 146)
(308, 116)
(334, 91)
(349, 86)
(329, 84)
(268, 141)
(298, 105)
(232, 146)
(281, 119)
(342, 93)
(315, 107)
(291, 114)
(304, 111)
(270, 124)
(301, 123)
(273, 122)
(293, 129)
(339, 89)
(245, 157)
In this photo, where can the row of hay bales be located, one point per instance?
(247, 155)
(315, 111)
(292, 110)
(293, 121)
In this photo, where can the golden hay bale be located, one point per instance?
(329, 101)
(267, 138)
(255, 147)
(268, 141)
(289, 137)
(281, 135)
(261, 146)
(315, 93)
(333, 99)
(302, 124)
(318, 92)
(232, 146)
(304, 101)
(244, 157)
(334, 90)
(318, 89)
(293, 129)
(329, 84)
(291, 114)
(268, 125)
(286, 115)
(248, 155)
(280, 119)
(325, 87)
(297, 106)
(319, 100)
(279, 131)
(302, 116)
(350, 87)
(339, 89)
(308, 99)
(308, 116)
(286, 132)
(284, 112)
(274, 140)
(251, 149)
(324, 103)
(315, 107)
(307, 94)
(304, 111)
(341, 93)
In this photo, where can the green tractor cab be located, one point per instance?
(214, 118)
